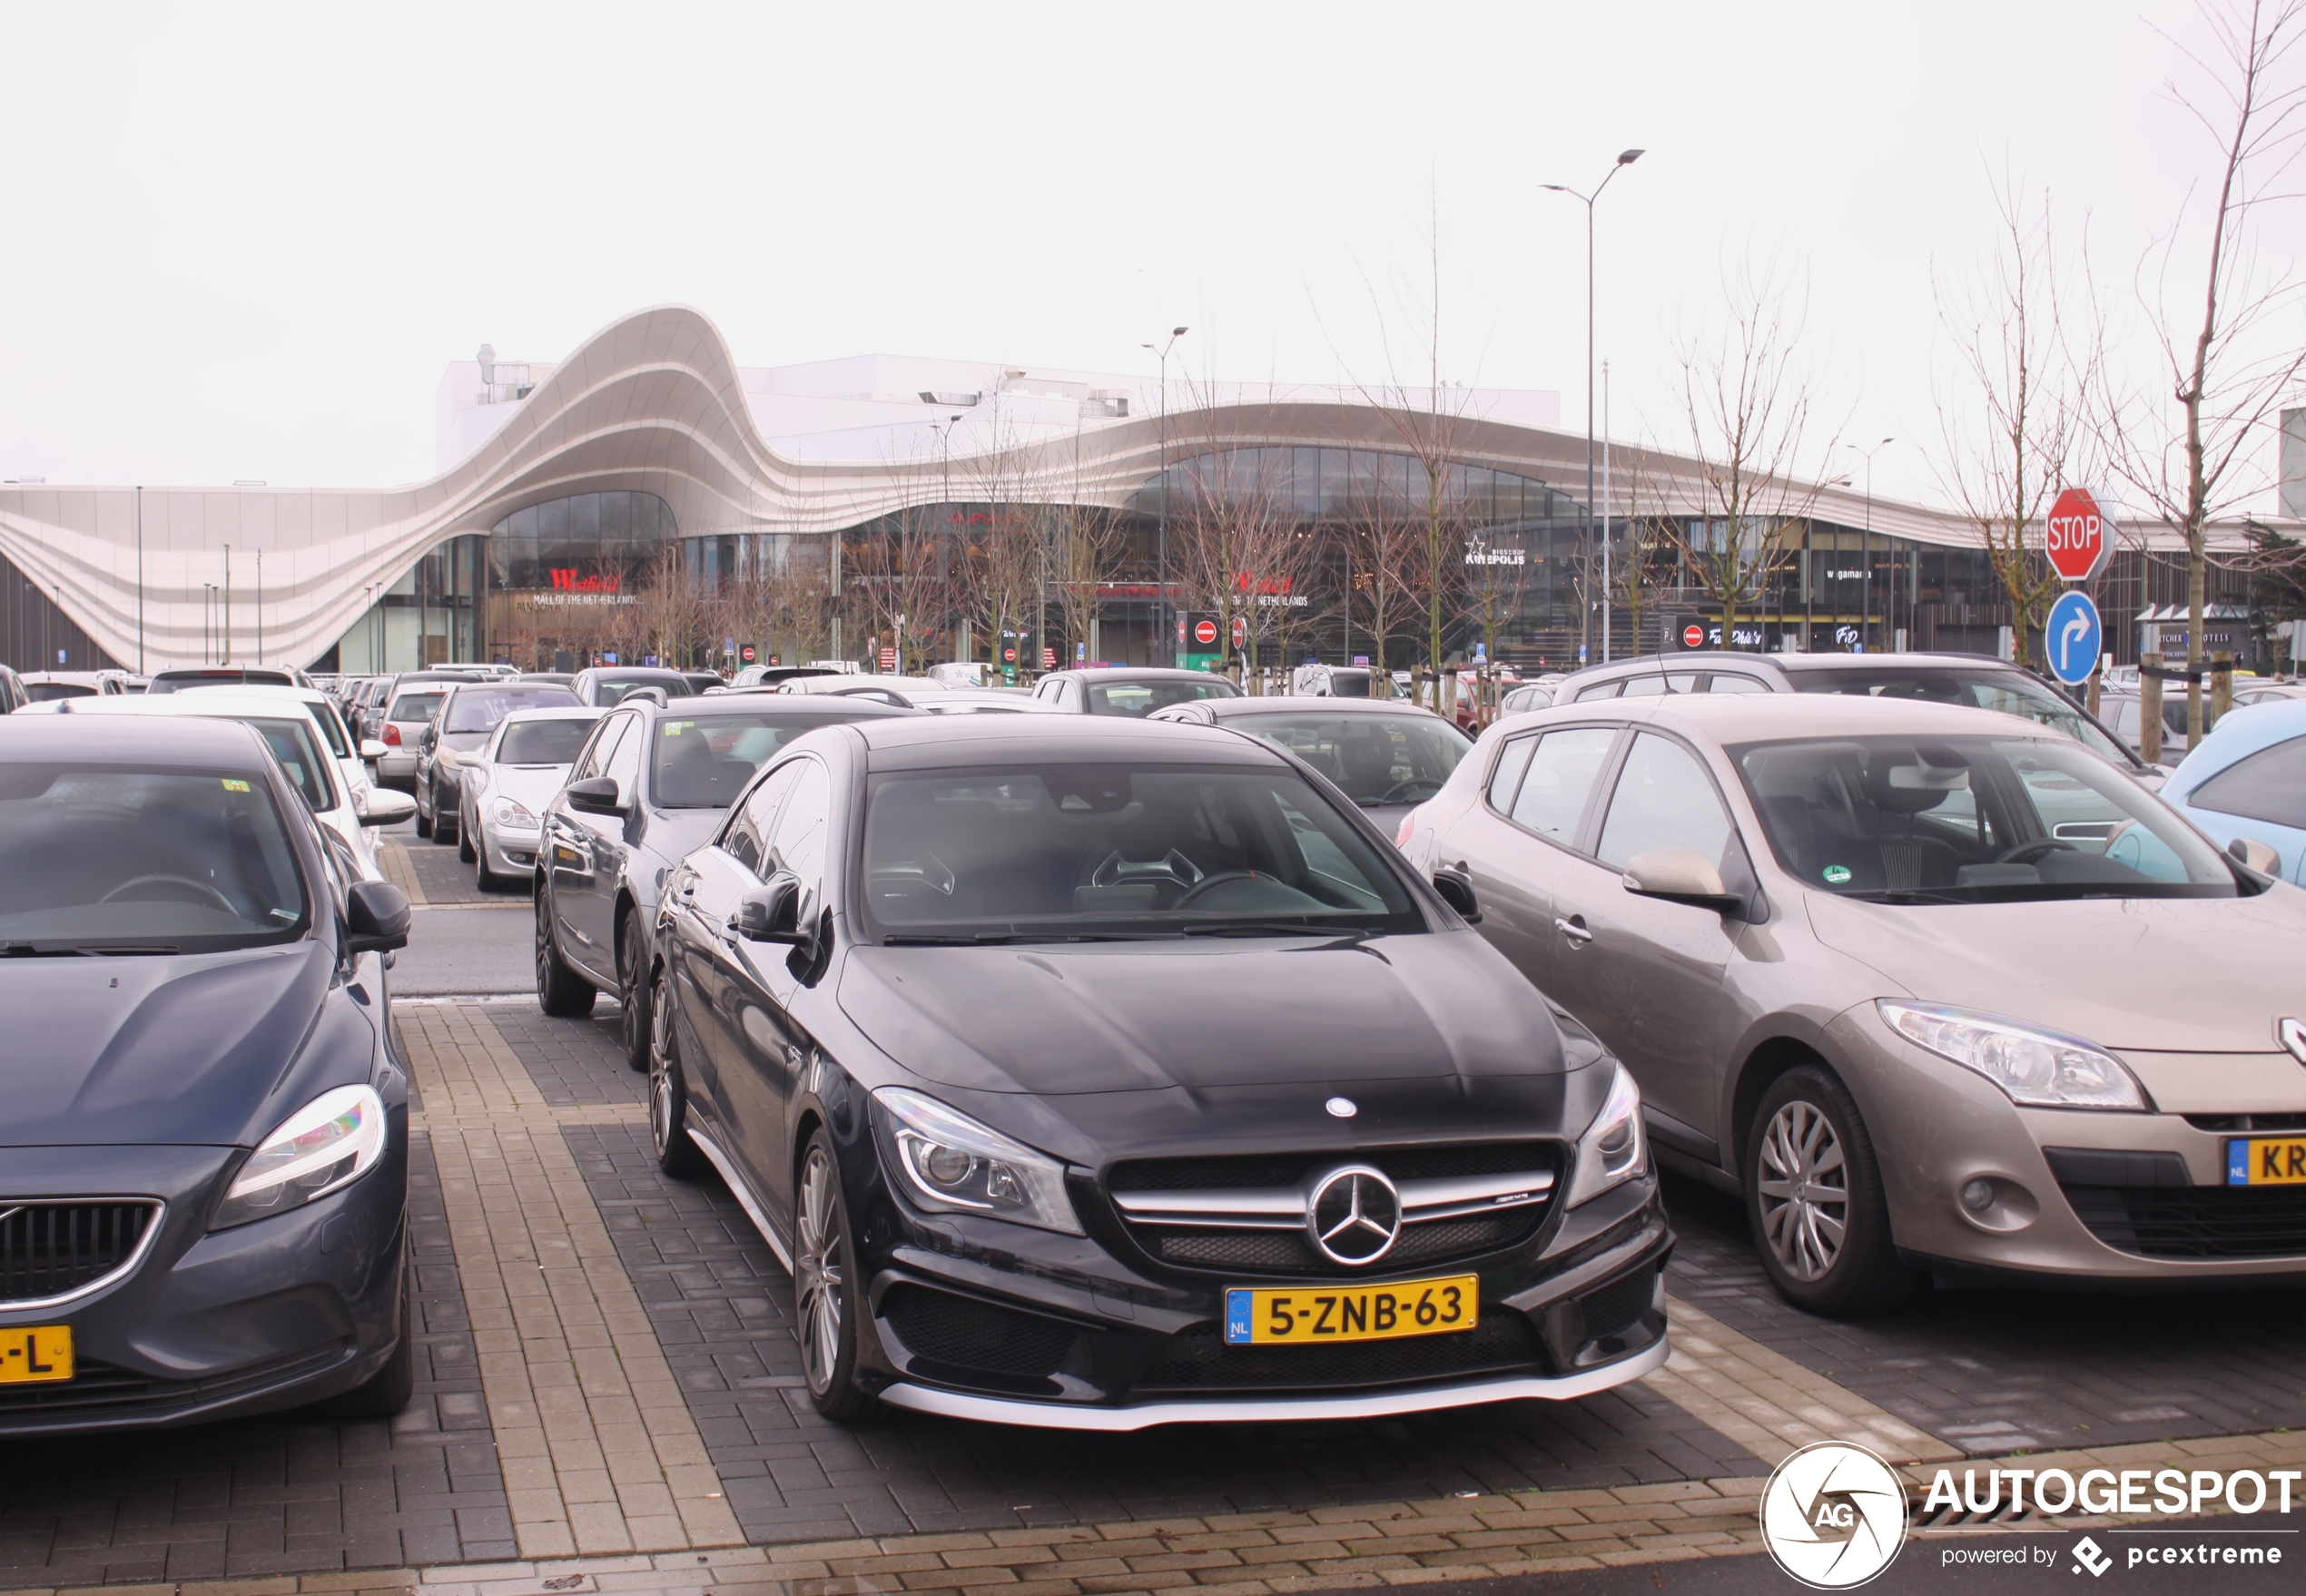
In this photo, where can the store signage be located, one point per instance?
(2079, 535)
(567, 579)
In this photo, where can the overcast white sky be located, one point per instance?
(242, 243)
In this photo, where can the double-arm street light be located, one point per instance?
(1625, 158)
(1162, 649)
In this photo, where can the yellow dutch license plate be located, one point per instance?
(36, 1352)
(2266, 1160)
(1308, 1316)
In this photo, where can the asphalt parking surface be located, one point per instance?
(1991, 1372)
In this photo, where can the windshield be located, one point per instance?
(612, 690)
(233, 677)
(1971, 820)
(553, 742)
(478, 709)
(2011, 692)
(1377, 759)
(142, 861)
(49, 691)
(1142, 698)
(325, 715)
(703, 763)
(1069, 851)
(415, 706)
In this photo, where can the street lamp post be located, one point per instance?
(1161, 554)
(1625, 158)
(1866, 582)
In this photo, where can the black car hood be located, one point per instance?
(1202, 1015)
(194, 1050)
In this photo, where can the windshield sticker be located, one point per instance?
(1836, 874)
(231, 785)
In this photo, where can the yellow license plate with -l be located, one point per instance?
(2266, 1160)
(1309, 1316)
(35, 1352)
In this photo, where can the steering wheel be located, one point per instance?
(2029, 852)
(1202, 888)
(202, 888)
(1408, 791)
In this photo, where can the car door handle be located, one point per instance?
(1574, 929)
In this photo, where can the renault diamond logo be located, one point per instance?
(1353, 1215)
(2292, 1034)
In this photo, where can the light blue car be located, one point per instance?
(2248, 779)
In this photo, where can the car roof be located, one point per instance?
(216, 703)
(1744, 717)
(630, 671)
(829, 706)
(191, 739)
(930, 742)
(558, 711)
(2244, 731)
(1138, 673)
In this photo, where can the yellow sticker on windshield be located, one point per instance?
(673, 728)
(234, 785)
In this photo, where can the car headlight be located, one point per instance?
(952, 1164)
(1614, 1148)
(2041, 1069)
(329, 1143)
(512, 814)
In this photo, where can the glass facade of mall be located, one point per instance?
(560, 584)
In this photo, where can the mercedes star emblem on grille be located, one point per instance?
(2292, 1032)
(1353, 1215)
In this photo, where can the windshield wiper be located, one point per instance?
(1278, 928)
(1000, 938)
(81, 951)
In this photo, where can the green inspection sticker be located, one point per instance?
(1836, 874)
(234, 786)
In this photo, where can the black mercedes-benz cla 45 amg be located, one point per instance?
(1108, 1076)
(203, 1131)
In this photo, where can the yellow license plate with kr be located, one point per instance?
(1309, 1316)
(35, 1352)
(2266, 1160)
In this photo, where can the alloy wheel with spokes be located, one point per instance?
(1815, 1197)
(677, 1154)
(824, 1297)
(1805, 1190)
(633, 988)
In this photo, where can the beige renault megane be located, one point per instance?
(1936, 989)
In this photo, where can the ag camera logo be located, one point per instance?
(1833, 1516)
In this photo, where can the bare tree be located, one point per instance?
(1387, 549)
(1645, 557)
(1747, 406)
(1235, 536)
(2016, 433)
(2230, 371)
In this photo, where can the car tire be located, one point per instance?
(1814, 1198)
(825, 1299)
(466, 854)
(444, 824)
(424, 821)
(561, 992)
(634, 988)
(483, 879)
(388, 1392)
(677, 1154)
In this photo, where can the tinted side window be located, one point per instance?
(1561, 777)
(1506, 780)
(746, 839)
(2271, 785)
(604, 745)
(1723, 682)
(1663, 800)
(798, 842)
(625, 760)
(1605, 690)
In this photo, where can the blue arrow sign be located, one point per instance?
(2073, 637)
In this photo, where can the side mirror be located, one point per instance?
(376, 917)
(384, 807)
(2253, 854)
(1680, 875)
(371, 750)
(593, 795)
(772, 913)
(1457, 889)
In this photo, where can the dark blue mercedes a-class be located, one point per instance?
(204, 1132)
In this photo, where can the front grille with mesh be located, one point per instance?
(1285, 1251)
(1621, 1304)
(1199, 1360)
(2196, 1221)
(972, 1335)
(51, 1248)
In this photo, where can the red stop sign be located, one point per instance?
(2079, 535)
(1205, 633)
(1693, 635)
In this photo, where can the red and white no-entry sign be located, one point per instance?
(1693, 635)
(2079, 535)
(1205, 633)
(1240, 630)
